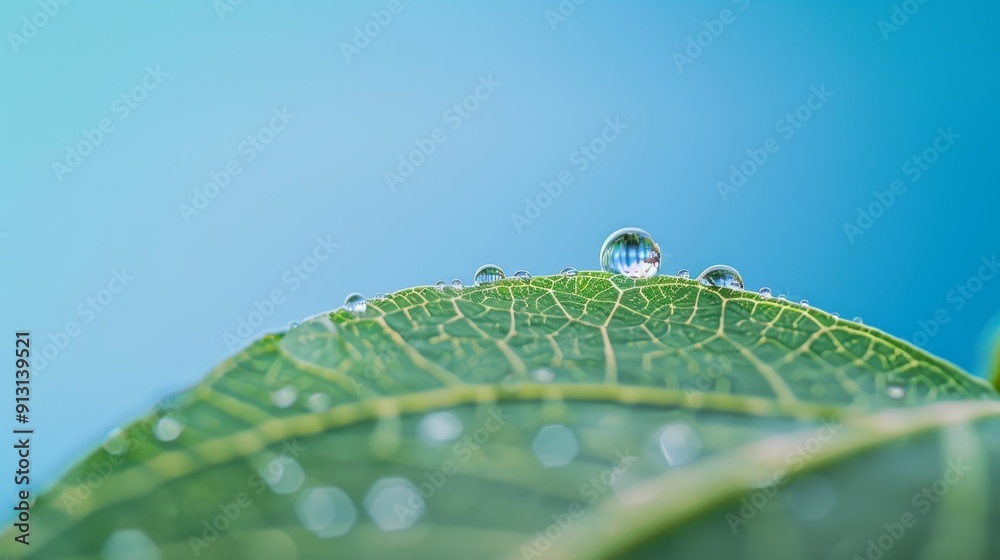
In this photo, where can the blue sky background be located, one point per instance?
(221, 75)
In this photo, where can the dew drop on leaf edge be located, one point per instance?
(631, 252)
(721, 276)
(355, 303)
(489, 273)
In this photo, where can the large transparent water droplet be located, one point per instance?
(355, 303)
(721, 276)
(489, 273)
(568, 271)
(684, 273)
(631, 252)
(522, 275)
(457, 284)
(765, 292)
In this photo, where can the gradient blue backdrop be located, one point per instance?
(324, 173)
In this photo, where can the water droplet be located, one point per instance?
(319, 402)
(489, 273)
(283, 475)
(440, 285)
(684, 273)
(293, 325)
(782, 296)
(568, 271)
(457, 284)
(522, 275)
(167, 429)
(765, 292)
(858, 320)
(379, 295)
(130, 544)
(680, 444)
(355, 303)
(555, 445)
(284, 397)
(835, 315)
(387, 497)
(721, 276)
(440, 427)
(895, 390)
(804, 303)
(632, 252)
(543, 375)
(327, 511)
(116, 442)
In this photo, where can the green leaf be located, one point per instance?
(593, 417)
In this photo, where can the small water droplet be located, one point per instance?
(684, 273)
(895, 390)
(522, 275)
(680, 444)
(440, 427)
(765, 292)
(293, 325)
(387, 497)
(379, 295)
(835, 315)
(782, 296)
(116, 442)
(355, 303)
(543, 375)
(440, 285)
(167, 429)
(555, 445)
(457, 284)
(804, 303)
(284, 397)
(489, 273)
(721, 276)
(858, 320)
(319, 402)
(568, 271)
(631, 252)
(327, 511)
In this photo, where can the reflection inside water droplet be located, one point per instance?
(522, 275)
(765, 292)
(457, 284)
(721, 276)
(631, 252)
(684, 273)
(355, 303)
(440, 285)
(568, 271)
(489, 273)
